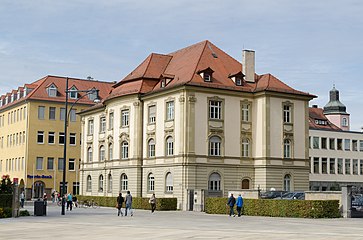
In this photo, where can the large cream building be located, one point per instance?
(192, 122)
(32, 133)
(336, 153)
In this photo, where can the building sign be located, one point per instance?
(39, 176)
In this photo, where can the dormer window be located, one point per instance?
(73, 93)
(238, 81)
(163, 83)
(237, 78)
(52, 91)
(206, 74)
(92, 95)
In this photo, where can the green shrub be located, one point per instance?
(6, 186)
(162, 204)
(278, 208)
(6, 200)
(5, 212)
(24, 213)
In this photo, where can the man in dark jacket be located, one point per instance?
(120, 201)
(231, 203)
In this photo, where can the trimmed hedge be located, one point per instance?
(24, 213)
(5, 212)
(162, 204)
(6, 200)
(278, 208)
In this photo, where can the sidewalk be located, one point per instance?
(103, 223)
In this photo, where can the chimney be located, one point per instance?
(248, 65)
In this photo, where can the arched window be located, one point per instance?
(245, 184)
(100, 183)
(287, 148)
(245, 147)
(151, 146)
(214, 182)
(124, 182)
(110, 151)
(109, 183)
(124, 150)
(89, 183)
(169, 182)
(102, 153)
(89, 154)
(215, 146)
(169, 146)
(287, 182)
(151, 182)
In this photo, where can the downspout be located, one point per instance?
(142, 143)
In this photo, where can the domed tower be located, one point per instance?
(335, 111)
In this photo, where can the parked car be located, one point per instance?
(292, 196)
(357, 201)
(272, 194)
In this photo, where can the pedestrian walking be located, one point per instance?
(231, 202)
(69, 201)
(22, 199)
(120, 201)
(128, 204)
(239, 204)
(152, 202)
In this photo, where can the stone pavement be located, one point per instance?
(103, 223)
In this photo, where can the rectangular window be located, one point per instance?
(347, 166)
(323, 143)
(72, 139)
(355, 166)
(324, 165)
(71, 164)
(124, 118)
(102, 124)
(60, 164)
(110, 120)
(39, 163)
(152, 114)
(51, 137)
(361, 145)
(170, 110)
(354, 145)
(340, 166)
(361, 167)
(316, 142)
(90, 127)
(40, 137)
(339, 144)
(62, 114)
(332, 165)
(347, 144)
(287, 114)
(50, 163)
(41, 112)
(61, 138)
(332, 143)
(309, 142)
(245, 112)
(316, 165)
(51, 113)
(215, 109)
(72, 115)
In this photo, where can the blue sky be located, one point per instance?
(310, 44)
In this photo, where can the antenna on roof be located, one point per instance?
(90, 78)
(213, 53)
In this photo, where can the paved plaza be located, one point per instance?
(103, 223)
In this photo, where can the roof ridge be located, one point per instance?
(200, 57)
(41, 81)
(189, 46)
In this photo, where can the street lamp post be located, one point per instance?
(65, 134)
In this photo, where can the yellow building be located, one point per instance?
(32, 133)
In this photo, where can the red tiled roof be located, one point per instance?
(317, 114)
(40, 86)
(185, 64)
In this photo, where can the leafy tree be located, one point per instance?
(6, 186)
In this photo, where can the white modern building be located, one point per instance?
(336, 153)
(196, 122)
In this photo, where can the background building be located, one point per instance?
(336, 153)
(194, 122)
(32, 133)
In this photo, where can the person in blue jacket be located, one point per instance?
(239, 204)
